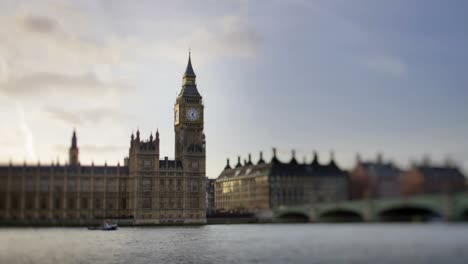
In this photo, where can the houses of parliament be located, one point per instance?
(146, 189)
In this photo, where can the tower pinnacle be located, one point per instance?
(189, 75)
(74, 152)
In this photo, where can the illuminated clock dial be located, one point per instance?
(192, 114)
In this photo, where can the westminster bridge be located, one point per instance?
(433, 207)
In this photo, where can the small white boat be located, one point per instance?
(105, 227)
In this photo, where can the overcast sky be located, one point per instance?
(344, 76)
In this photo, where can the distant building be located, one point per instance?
(210, 196)
(267, 185)
(374, 179)
(427, 179)
(146, 190)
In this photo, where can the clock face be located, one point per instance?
(193, 114)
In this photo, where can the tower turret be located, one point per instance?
(189, 77)
(74, 151)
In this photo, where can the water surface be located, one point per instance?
(280, 243)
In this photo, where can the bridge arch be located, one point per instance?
(293, 217)
(341, 215)
(409, 213)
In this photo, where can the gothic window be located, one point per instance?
(194, 203)
(98, 185)
(110, 204)
(57, 203)
(112, 185)
(97, 203)
(146, 184)
(123, 203)
(147, 164)
(161, 185)
(71, 184)
(30, 202)
(71, 203)
(170, 185)
(16, 183)
(193, 185)
(123, 185)
(30, 184)
(14, 203)
(84, 185)
(84, 203)
(44, 184)
(57, 187)
(146, 203)
(179, 185)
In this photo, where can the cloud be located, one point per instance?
(86, 116)
(26, 131)
(40, 24)
(387, 64)
(232, 35)
(46, 83)
(94, 149)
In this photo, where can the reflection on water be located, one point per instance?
(292, 243)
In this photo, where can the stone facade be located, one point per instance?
(374, 180)
(255, 187)
(210, 196)
(430, 179)
(145, 190)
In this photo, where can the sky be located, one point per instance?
(337, 77)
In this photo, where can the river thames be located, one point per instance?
(249, 243)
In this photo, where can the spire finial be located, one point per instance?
(358, 158)
(74, 140)
(315, 159)
(238, 165)
(189, 70)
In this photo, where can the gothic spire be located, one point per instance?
(74, 140)
(189, 75)
(189, 70)
(315, 161)
(227, 165)
(261, 161)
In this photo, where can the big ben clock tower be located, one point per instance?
(190, 141)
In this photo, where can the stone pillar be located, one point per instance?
(65, 193)
(22, 197)
(368, 210)
(448, 205)
(104, 208)
(51, 194)
(78, 196)
(92, 206)
(8, 193)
